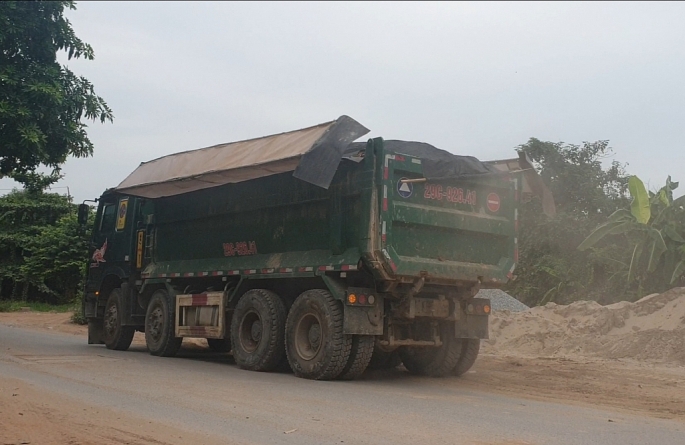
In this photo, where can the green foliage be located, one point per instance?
(17, 306)
(42, 102)
(639, 207)
(550, 267)
(654, 225)
(55, 258)
(42, 249)
(78, 317)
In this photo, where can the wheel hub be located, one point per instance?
(314, 335)
(155, 323)
(250, 331)
(111, 320)
(308, 336)
(256, 331)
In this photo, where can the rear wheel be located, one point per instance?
(360, 356)
(114, 335)
(160, 335)
(222, 344)
(257, 330)
(433, 361)
(219, 344)
(315, 344)
(383, 359)
(469, 352)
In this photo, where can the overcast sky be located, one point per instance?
(471, 78)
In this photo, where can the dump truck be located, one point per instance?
(306, 249)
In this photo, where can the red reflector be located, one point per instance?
(362, 299)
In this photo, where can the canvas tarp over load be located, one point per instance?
(313, 153)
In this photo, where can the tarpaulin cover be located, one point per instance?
(313, 153)
(440, 164)
(437, 163)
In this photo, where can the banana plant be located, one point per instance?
(652, 223)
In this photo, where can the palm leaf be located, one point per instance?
(640, 206)
(678, 271)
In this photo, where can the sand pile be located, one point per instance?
(651, 329)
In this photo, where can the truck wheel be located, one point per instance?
(384, 360)
(315, 344)
(114, 335)
(469, 353)
(160, 335)
(360, 356)
(257, 330)
(433, 361)
(219, 344)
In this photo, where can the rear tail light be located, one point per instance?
(359, 299)
(478, 308)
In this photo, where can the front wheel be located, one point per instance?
(315, 344)
(114, 334)
(160, 335)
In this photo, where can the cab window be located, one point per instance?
(109, 214)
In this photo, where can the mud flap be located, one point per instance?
(363, 320)
(95, 332)
(471, 326)
(90, 305)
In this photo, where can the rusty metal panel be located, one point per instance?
(201, 315)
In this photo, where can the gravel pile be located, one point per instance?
(500, 300)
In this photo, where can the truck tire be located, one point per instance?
(258, 330)
(219, 344)
(222, 344)
(433, 361)
(114, 335)
(384, 360)
(360, 356)
(315, 344)
(160, 332)
(469, 353)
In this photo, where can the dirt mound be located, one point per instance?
(651, 329)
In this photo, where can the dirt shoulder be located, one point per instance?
(50, 321)
(622, 385)
(625, 386)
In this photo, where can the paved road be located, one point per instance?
(203, 392)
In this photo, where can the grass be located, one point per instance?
(15, 306)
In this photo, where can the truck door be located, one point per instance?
(111, 245)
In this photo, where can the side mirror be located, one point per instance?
(83, 211)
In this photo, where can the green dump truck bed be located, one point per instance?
(448, 231)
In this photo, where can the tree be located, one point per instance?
(55, 259)
(42, 103)
(655, 229)
(551, 268)
(22, 216)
